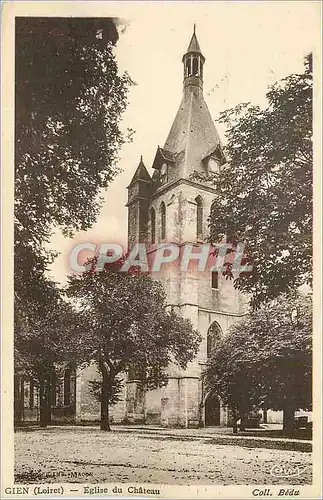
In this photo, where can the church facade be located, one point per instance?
(169, 206)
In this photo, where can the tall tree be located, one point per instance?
(266, 360)
(264, 193)
(69, 99)
(128, 326)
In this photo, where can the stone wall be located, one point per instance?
(88, 408)
(181, 402)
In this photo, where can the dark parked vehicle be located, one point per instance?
(303, 427)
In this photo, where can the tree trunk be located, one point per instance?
(234, 422)
(105, 423)
(243, 419)
(18, 399)
(44, 402)
(265, 416)
(288, 420)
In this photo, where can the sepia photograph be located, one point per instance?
(161, 298)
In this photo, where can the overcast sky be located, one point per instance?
(247, 46)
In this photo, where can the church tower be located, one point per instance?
(173, 206)
(138, 200)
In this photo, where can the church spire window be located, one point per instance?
(162, 211)
(199, 217)
(153, 225)
(188, 71)
(195, 66)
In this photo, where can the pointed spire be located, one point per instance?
(141, 173)
(193, 61)
(194, 45)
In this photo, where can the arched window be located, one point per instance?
(199, 217)
(195, 66)
(67, 387)
(153, 225)
(162, 211)
(188, 67)
(214, 334)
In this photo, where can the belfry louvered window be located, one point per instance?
(188, 70)
(195, 66)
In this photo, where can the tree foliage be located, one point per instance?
(264, 193)
(69, 99)
(128, 327)
(113, 391)
(266, 359)
(41, 341)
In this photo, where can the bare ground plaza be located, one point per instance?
(178, 352)
(152, 455)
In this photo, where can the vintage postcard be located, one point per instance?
(161, 249)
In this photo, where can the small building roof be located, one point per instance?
(162, 156)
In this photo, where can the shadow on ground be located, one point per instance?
(268, 439)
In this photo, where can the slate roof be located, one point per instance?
(162, 156)
(194, 45)
(193, 130)
(141, 173)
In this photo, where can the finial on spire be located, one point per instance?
(194, 29)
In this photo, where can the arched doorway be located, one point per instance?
(212, 411)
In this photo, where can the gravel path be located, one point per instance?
(87, 455)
